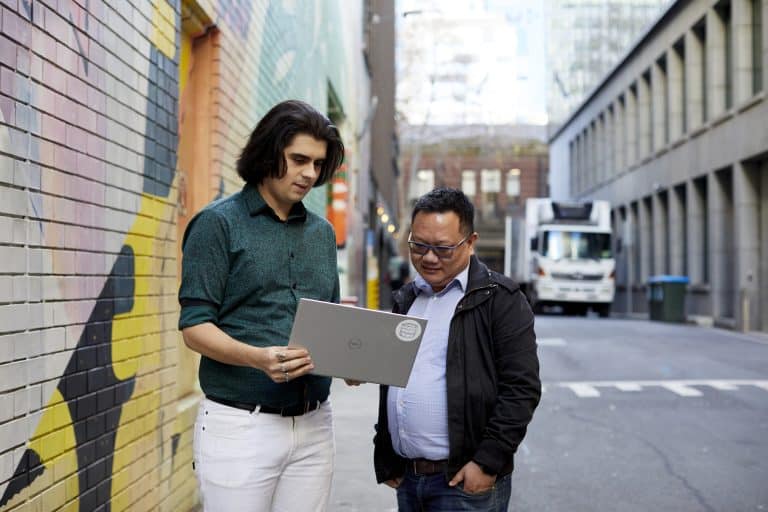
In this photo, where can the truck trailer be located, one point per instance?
(561, 255)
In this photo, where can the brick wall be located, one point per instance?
(97, 394)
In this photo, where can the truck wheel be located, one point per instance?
(604, 311)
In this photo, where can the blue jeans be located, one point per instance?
(423, 493)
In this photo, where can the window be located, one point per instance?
(490, 186)
(468, 182)
(513, 183)
(425, 181)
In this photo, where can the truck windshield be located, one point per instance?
(575, 245)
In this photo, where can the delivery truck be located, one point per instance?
(561, 255)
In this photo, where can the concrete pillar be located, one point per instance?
(630, 127)
(717, 226)
(675, 94)
(610, 144)
(645, 244)
(619, 141)
(659, 233)
(742, 49)
(599, 153)
(696, 235)
(694, 76)
(644, 115)
(746, 210)
(715, 55)
(763, 259)
(677, 232)
(658, 107)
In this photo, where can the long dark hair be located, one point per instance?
(263, 156)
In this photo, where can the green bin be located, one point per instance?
(666, 298)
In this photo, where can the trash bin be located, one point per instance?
(666, 298)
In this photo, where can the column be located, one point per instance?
(742, 50)
(659, 108)
(675, 96)
(746, 212)
(630, 126)
(677, 233)
(695, 233)
(659, 232)
(694, 73)
(644, 116)
(619, 140)
(645, 244)
(716, 226)
(715, 56)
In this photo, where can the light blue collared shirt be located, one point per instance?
(418, 413)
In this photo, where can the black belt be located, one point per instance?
(427, 467)
(291, 410)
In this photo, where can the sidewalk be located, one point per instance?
(354, 483)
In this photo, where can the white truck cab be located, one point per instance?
(564, 255)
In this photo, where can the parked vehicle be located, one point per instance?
(561, 255)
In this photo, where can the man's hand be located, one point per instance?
(352, 382)
(394, 483)
(283, 364)
(475, 479)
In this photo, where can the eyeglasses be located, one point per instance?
(443, 252)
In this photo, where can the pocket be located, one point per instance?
(479, 495)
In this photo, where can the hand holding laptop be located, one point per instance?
(357, 344)
(286, 363)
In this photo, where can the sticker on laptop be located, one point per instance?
(408, 330)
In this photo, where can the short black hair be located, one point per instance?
(444, 199)
(263, 157)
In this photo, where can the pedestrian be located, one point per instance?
(447, 440)
(263, 436)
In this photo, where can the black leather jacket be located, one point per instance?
(492, 377)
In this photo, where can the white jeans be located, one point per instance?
(263, 462)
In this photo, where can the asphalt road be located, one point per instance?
(636, 416)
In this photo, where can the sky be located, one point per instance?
(471, 62)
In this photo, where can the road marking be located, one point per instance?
(551, 342)
(685, 388)
(681, 389)
(583, 389)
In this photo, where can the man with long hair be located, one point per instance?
(263, 437)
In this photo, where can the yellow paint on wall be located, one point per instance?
(164, 28)
(54, 442)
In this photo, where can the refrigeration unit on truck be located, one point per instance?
(561, 255)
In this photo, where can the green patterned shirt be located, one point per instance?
(244, 270)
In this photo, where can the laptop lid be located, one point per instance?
(357, 343)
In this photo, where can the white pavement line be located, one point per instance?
(681, 389)
(551, 342)
(629, 386)
(722, 385)
(588, 389)
(583, 389)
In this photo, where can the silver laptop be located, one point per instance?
(357, 343)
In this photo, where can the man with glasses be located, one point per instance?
(447, 440)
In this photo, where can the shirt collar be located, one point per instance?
(460, 280)
(257, 206)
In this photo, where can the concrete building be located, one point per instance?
(119, 120)
(676, 137)
(498, 167)
(585, 39)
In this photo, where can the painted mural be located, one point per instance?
(111, 432)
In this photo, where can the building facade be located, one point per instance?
(585, 39)
(498, 167)
(675, 137)
(118, 121)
